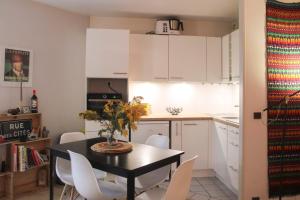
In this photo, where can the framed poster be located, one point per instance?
(16, 67)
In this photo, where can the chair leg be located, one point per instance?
(63, 192)
(72, 193)
(76, 194)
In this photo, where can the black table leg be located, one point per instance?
(51, 178)
(130, 187)
(178, 162)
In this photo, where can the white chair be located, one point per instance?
(154, 178)
(87, 184)
(179, 185)
(63, 167)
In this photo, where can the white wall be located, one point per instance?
(57, 39)
(144, 25)
(192, 97)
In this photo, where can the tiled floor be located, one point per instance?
(201, 189)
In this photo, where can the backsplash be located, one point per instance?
(192, 97)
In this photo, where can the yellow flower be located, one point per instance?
(120, 115)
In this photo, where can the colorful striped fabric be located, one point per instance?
(283, 76)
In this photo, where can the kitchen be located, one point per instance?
(206, 88)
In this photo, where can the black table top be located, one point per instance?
(142, 159)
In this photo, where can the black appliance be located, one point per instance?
(96, 101)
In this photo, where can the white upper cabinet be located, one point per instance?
(231, 56)
(149, 57)
(235, 55)
(214, 59)
(187, 58)
(225, 57)
(107, 53)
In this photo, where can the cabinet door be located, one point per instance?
(225, 58)
(149, 57)
(176, 135)
(235, 54)
(176, 138)
(220, 150)
(107, 53)
(195, 141)
(214, 59)
(146, 129)
(187, 58)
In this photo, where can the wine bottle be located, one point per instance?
(34, 102)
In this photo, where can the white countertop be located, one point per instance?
(229, 119)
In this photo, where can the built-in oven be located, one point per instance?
(97, 101)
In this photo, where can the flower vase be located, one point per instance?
(111, 139)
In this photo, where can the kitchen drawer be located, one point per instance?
(233, 139)
(220, 126)
(233, 155)
(146, 129)
(233, 177)
(233, 130)
(233, 135)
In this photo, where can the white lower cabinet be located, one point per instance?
(220, 150)
(195, 142)
(92, 128)
(146, 129)
(176, 135)
(225, 154)
(192, 138)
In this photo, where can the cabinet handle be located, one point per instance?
(233, 169)
(120, 73)
(234, 132)
(235, 145)
(160, 78)
(191, 124)
(176, 77)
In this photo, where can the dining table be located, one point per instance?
(140, 160)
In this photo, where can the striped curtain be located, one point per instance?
(283, 78)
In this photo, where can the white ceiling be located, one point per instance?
(188, 9)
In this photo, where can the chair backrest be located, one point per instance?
(71, 137)
(64, 166)
(84, 178)
(181, 180)
(157, 176)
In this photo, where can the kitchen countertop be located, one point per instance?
(168, 117)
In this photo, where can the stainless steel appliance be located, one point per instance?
(97, 101)
(170, 26)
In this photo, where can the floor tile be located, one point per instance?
(208, 188)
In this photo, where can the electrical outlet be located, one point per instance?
(257, 115)
(255, 198)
